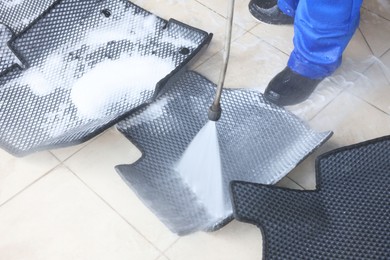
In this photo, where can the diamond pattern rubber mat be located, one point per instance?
(7, 56)
(259, 142)
(346, 217)
(19, 14)
(89, 63)
(16, 16)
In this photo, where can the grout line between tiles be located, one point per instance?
(55, 156)
(373, 12)
(385, 53)
(370, 104)
(365, 39)
(221, 50)
(291, 179)
(94, 139)
(253, 27)
(81, 145)
(325, 106)
(63, 160)
(31, 184)
(211, 9)
(171, 245)
(273, 46)
(223, 16)
(112, 208)
(162, 255)
(342, 91)
(211, 56)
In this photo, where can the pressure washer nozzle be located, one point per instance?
(215, 112)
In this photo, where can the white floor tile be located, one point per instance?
(162, 257)
(325, 93)
(352, 120)
(279, 36)
(64, 153)
(59, 218)
(386, 62)
(95, 163)
(242, 16)
(376, 31)
(235, 241)
(373, 87)
(252, 64)
(380, 7)
(304, 174)
(17, 173)
(286, 182)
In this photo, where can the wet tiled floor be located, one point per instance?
(71, 204)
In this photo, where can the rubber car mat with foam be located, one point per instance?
(259, 142)
(101, 44)
(346, 217)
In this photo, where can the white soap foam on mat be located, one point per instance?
(114, 81)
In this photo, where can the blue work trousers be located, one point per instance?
(322, 31)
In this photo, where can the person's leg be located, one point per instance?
(322, 30)
(288, 7)
(269, 11)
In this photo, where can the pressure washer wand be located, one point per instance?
(215, 110)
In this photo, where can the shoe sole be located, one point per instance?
(274, 21)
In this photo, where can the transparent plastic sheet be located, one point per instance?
(259, 142)
(88, 64)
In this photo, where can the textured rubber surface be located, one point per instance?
(16, 16)
(346, 217)
(259, 142)
(7, 56)
(72, 38)
(19, 14)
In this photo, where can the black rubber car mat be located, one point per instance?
(346, 217)
(88, 65)
(258, 141)
(15, 17)
(7, 57)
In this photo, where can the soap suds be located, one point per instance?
(154, 111)
(11, 3)
(179, 41)
(37, 82)
(114, 81)
(58, 71)
(101, 88)
(44, 79)
(124, 29)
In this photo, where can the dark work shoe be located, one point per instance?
(290, 88)
(268, 11)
